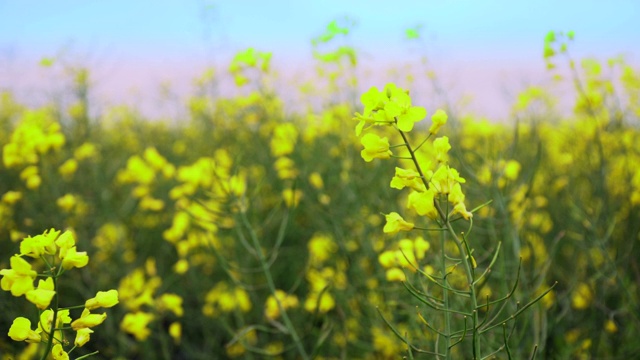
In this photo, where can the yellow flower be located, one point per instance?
(42, 296)
(58, 353)
(395, 274)
(271, 308)
(72, 259)
(439, 118)
(387, 259)
(581, 297)
(175, 331)
(444, 178)
(67, 202)
(153, 158)
(66, 241)
(105, 299)
(512, 169)
(461, 209)
(85, 151)
(68, 168)
(21, 331)
(321, 247)
(88, 320)
(46, 319)
(171, 302)
(11, 197)
(181, 266)
(409, 177)
(136, 324)
(610, 326)
(421, 246)
(320, 301)
(148, 202)
(400, 108)
(423, 203)
(82, 336)
(31, 177)
(455, 195)
(442, 147)
(375, 147)
(315, 179)
(286, 168)
(396, 223)
(284, 139)
(40, 244)
(291, 197)
(18, 279)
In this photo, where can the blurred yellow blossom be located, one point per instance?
(291, 197)
(11, 197)
(85, 151)
(286, 301)
(438, 119)
(137, 324)
(581, 296)
(68, 168)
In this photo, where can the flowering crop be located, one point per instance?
(247, 230)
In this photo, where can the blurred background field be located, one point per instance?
(178, 198)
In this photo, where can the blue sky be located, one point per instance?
(137, 44)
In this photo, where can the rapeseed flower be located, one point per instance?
(407, 115)
(20, 330)
(271, 308)
(43, 294)
(423, 203)
(105, 299)
(82, 337)
(171, 302)
(39, 245)
(375, 147)
(18, 279)
(137, 324)
(73, 258)
(442, 147)
(395, 223)
(58, 353)
(407, 178)
(438, 119)
(88, 320)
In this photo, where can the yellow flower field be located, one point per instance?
(375, 228)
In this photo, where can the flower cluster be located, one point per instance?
(138, 295)
(392, 107)
(58, 252)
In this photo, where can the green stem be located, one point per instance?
(445, 298)
(464, 251)
(272, 287)
(53, 321)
